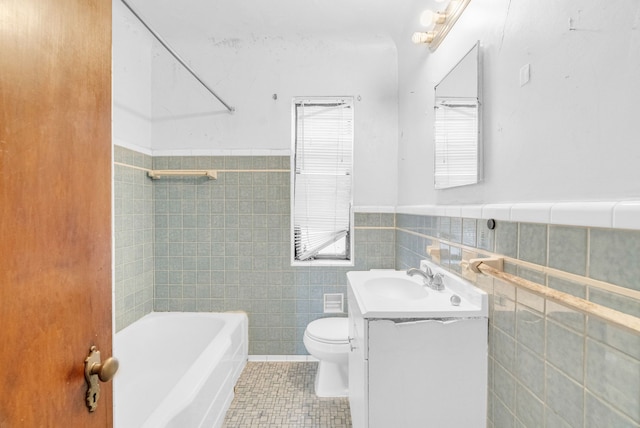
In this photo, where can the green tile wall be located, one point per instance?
(220, 245)
(224, 245)
(195, 244)
(133, 236)
(549, 366)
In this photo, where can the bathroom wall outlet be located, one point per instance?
(333, 303)
(525, 74)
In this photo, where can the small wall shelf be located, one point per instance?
(159, 173)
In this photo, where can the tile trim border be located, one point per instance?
(604, 214)
(223, 152)
(126, 165)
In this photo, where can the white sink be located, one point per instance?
(394, 294)
(396, 288)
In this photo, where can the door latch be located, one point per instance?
(94, 371)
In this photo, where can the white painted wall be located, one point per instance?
(131, 81)
(160, 109)
(247, 71)
(571, 134)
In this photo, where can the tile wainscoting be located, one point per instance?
(133, 236)
(216, 245)
(224, 244)
(549, 366)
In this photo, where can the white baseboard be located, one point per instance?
(283, 358)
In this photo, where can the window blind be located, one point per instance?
(456, 142)
(322, 179)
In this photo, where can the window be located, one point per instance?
(321, 177)
(456, 142)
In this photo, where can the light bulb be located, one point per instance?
(422, 37)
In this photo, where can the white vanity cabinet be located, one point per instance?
(412, 372)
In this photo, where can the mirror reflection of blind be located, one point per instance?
(456, 142)
(322, 179)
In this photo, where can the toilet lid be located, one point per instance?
(331, 330)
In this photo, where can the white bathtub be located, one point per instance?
(178, 369)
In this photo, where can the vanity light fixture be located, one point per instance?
(442, 22)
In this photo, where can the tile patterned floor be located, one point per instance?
(280, 395)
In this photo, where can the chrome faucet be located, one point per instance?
(432, 281)
(427, 274)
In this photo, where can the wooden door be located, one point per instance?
(55, 209)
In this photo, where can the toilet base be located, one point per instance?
(332, 380)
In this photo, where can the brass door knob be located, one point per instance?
(106, 370)
(94, 370)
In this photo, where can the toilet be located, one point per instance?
(327, 339)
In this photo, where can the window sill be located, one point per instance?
(337, 263)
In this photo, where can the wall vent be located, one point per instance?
(333, 303)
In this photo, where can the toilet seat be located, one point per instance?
(329, 330)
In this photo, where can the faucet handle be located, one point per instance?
(429, 272)
(437, 282)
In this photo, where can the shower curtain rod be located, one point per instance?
(177, 57)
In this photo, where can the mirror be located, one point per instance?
(458, 155)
